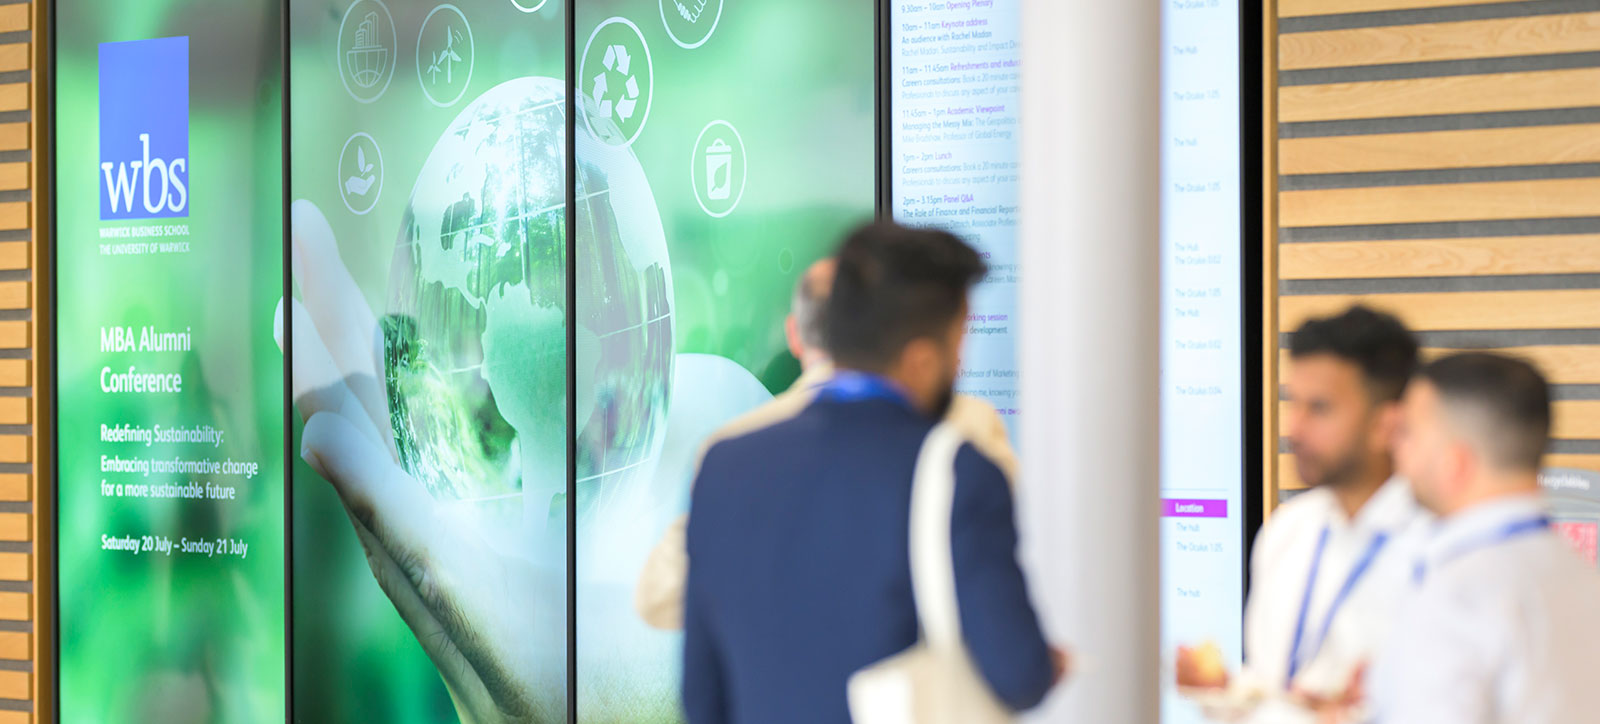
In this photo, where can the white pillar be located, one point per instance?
(1089, 345)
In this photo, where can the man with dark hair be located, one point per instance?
(1330, 563)
(799, 541)
(1503, 623)
(658, 597)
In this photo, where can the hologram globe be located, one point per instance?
(475, 357)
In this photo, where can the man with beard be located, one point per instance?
(1330, 564)
(802, 580)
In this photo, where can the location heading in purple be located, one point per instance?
(1188, 508)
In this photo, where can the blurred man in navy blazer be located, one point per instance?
(798, 582)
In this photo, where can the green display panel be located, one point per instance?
(721, 148)
(169, 245)
(429, 360)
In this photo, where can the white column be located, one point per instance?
(1089, 345)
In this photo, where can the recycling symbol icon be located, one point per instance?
(618, 63)
(616, 79)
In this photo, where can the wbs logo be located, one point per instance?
(144, 129)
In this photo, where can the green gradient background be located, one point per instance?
(180, 638)
(354, 657)
(796, 80)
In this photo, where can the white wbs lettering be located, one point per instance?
(125, 185)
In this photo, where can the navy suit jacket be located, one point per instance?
(800, 573)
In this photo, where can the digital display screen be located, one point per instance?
(719, 154)
(953, 89)
(170, 431)
(1202, 336)
(430, 249)
(953, 94)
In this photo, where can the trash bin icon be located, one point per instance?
(719, 171)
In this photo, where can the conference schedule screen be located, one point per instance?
(953, 79)
(953, 92)
(169, 241)
(1202, 339)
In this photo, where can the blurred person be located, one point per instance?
(799, 534)
(658, 598)
(1329, 564)
(1503, 624)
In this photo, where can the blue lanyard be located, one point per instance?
(849, 386)
(1514, 529)
(1360, 569)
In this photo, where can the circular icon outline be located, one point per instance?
(338, 173)
(394, 44)
(662, 4)
(533, 9)
(472, 62)
(649, 63)
(744, 178)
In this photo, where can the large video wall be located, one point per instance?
(346, 234)
(389, 331)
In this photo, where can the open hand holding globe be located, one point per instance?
(442, 426)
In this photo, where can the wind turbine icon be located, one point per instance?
(444, 61)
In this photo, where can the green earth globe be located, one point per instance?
(474, 343)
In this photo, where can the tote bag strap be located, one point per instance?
(933, 580)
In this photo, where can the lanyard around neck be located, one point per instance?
(848, 386)
(1498, 536)
(1360, 569)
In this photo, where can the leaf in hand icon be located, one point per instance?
(361, 182)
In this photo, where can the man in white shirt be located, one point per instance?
(1504, 621)
(1329, 565)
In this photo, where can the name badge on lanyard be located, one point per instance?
(1296, 660)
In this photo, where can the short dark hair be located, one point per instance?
(894, 285)
(1503, 402)
(1376, 342)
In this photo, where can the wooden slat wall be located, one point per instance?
(25, 568)
(1441, 159)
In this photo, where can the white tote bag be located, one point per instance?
(935, 681)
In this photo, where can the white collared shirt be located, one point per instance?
(1280, 568)
(1500, 629)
